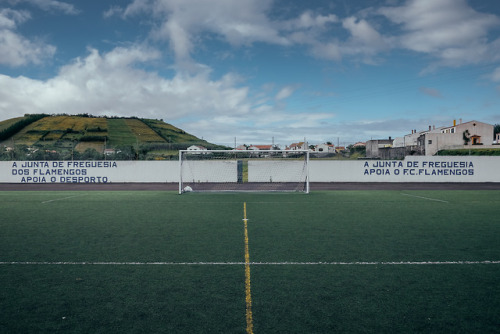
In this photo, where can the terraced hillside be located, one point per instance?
(87, 137)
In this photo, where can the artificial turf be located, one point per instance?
(155, 262)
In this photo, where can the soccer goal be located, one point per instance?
(238, 170)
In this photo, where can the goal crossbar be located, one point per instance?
(244, 170)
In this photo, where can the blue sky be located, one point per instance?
(256, 70)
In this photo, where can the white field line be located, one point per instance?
(249, 263)
(426, 198)
(62, 199)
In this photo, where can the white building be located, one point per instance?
(411, 140)
(298, 146)
(473, 134)
(260, 147)
(324, 148)
(198, 148)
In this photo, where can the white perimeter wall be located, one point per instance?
(276, 171)
(209, 171)
(412, 169)
(88, 171)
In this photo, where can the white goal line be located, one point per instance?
(250, 263)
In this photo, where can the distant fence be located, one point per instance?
(412, 169)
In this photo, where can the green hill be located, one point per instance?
(65, 137)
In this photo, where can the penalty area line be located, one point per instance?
(62, 199)
(359, 263)
(426, 198)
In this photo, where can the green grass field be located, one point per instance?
(333, 261)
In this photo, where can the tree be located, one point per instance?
(496, 129)
(466, 137)
(91, 154)
(3, 154)
(123, 153)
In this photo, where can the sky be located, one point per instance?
(256, 71)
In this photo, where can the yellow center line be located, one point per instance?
(247, 275)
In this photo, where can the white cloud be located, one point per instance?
(285, 92)
(320, 33)
(447, 29)
(307, 120)
(185, 23)
(16, 50)
(9, 18)
(112, 11)
(245, 22)
(110, 84)
(330, 50)
(180, 21)
(308, 20)
(116, 83)
(430, 92)
(364, 38)
(495, 76)
(261, 125)
(50, 5)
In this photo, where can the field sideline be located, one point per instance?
(330, 261)
(315, 186)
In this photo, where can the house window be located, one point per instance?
(453, 130)
(429, 142)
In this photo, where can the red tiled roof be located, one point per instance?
(262, 147)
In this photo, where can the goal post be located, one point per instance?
(244, 170)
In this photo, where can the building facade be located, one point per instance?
(473, 134)
(375, 147)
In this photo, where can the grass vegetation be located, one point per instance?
(142, 132)
(49, 130)
(87, 135)
(120, 133)
(341, 226)
(170, 133)
(21, 123)
(77, 124)
(9, 122)
(83, 146)
(53, 135)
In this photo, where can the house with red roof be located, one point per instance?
(260, 147)
(298, 146)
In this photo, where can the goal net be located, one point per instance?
(238, 170)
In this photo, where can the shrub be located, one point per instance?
(18, 126)
(94, 138)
